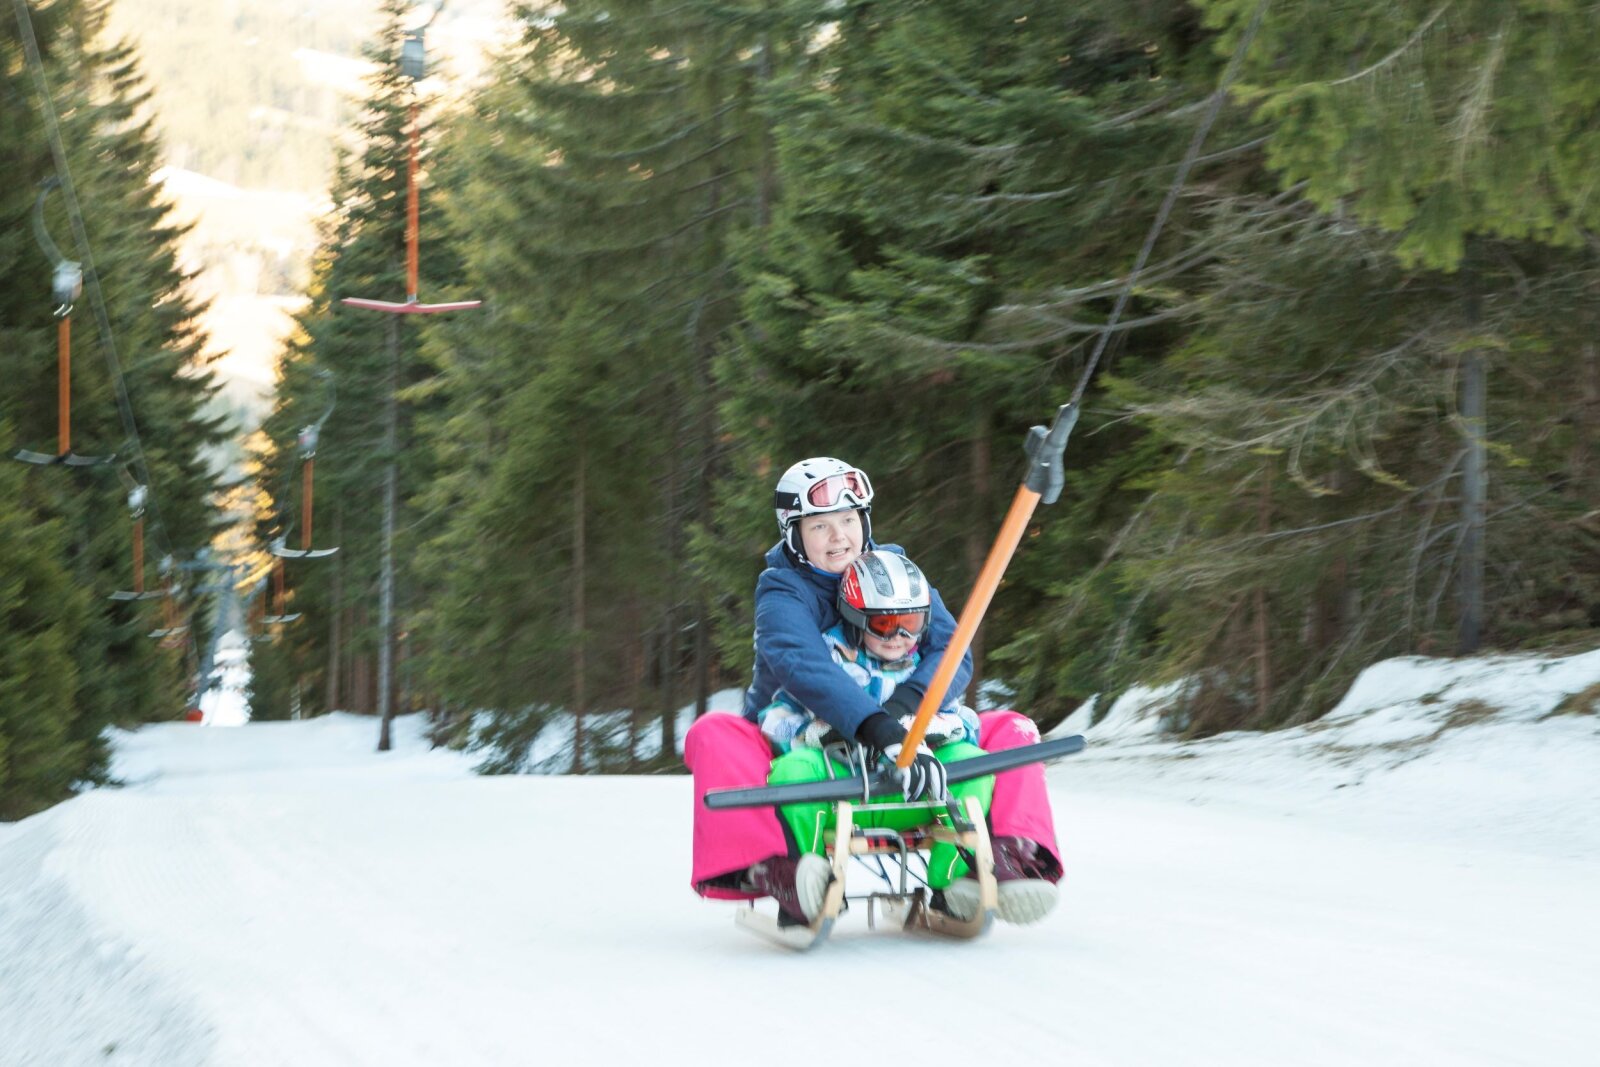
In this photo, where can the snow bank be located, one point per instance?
(1513, 688)
(73, 991)
(1469, 749)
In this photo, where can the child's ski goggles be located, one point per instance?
(899, 624)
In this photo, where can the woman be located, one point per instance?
(823, 507)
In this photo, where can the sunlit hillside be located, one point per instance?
(251, 99)
(254, 93)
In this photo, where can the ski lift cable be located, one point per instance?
(40, 232)
(1045, 446)
(1213, 109)
(90, 275)
(433, 17)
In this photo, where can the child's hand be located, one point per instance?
(925, 779)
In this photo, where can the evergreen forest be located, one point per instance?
(1346, 408)
(77, 189)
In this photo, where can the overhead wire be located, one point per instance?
(1213, 109)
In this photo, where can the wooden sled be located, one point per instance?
(902, 905)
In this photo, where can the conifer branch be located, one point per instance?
(1397, 53)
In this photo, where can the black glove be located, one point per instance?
(926, 778)
(879, 730)
(902, 702)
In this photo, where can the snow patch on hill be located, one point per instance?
(1498, 751)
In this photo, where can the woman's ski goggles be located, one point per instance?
(900, 624)
(826, 492)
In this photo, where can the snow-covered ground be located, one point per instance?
(1415, 880)
(226, 702)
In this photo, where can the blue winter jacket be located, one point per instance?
(795, 603)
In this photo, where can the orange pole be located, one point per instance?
(138, 555)
(277, 578)
(64, 383)
(1005, 546)
(413, 225)
(305, 500)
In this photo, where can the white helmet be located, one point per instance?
(885, 594)
(817, 486)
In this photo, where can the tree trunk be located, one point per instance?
(391, 480)
(766, 183)
(1474, 501)
(702, 657)
(667, 651)
(638, 657)
(580, 691)
(1586, 438)
(982, 455)
(335, 616)
(1263, 646)
(361, 677)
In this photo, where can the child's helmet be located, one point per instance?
(817, 486)
(885, 594)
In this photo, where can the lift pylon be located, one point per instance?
(136, 501)
(308, 455)
(412, 66)
(173, 625)
(66, 285)
(280, 600)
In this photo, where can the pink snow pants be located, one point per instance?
(727, 751)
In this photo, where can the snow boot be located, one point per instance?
(798, 885)
(1026, 889)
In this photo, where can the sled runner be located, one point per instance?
(896, 854)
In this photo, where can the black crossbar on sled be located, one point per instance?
(887, 783)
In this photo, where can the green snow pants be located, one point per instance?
(808, 821)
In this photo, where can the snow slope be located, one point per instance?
(1416, 880)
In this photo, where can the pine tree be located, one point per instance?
(614, 165)
(138, 386)
(44, 620)
(963, 189)
(331, 652)
(1331, 503)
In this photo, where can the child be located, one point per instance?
(883, 605)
